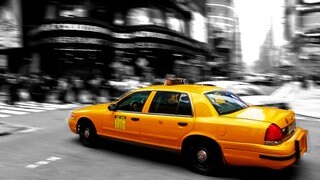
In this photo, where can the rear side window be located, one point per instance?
(171, 103)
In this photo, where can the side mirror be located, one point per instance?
(112, 107)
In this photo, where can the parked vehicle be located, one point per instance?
(250, 93)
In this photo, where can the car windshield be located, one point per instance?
(225, 102)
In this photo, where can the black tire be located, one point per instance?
(204, 157)
(87, 134)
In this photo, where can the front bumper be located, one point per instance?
(72, 125)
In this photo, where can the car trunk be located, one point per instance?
(285, 119)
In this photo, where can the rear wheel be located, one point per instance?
(87, 134)
(204, 158)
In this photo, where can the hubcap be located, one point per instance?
(202, 156)
(86, 133)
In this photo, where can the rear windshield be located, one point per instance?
(225, 102)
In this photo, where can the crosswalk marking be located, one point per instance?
(32, 105)
(41, 108)
(4, 115)
(12, 112)
(21, 108)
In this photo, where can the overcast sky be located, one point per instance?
(255, 17)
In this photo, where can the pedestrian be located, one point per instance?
(95, 84)
(13, 83)
(62, 87)
(76, 86)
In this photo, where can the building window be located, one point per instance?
(157, 17)
(70, 11)
(138, 16)
(175, 23)
(311, 20)
(118, 19)
(51, 11)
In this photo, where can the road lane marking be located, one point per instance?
(53, 158)
(32, 166)
(30, 129)
(41, 163)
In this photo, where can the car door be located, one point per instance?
(169, 118)
(125, 119)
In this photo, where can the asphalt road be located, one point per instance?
(47, 149)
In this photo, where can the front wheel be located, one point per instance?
(87, 134)
(204, 158)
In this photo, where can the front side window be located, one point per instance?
(171, 103)
(225, 102)
(133, 102)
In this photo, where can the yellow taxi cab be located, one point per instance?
(209, 126)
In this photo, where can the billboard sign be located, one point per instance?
(311, 1)
(10, 26)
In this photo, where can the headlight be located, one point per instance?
(73, 116)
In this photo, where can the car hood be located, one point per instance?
(262, 100)
(92, 107)
(266, 114)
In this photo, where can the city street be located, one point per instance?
(42, 147)
(58, 55)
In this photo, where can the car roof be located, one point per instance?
(223, 83)
(193, 88)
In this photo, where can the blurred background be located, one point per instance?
(94, 50)
(57, 55)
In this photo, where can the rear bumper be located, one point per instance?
(274, 157)
(296, 154)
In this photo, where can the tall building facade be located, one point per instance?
(224, 36)
(114, 37)
(11, 40)
(303, 30)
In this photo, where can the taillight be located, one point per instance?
(273, 135)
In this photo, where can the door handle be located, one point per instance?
(135, 119)
(182, 124)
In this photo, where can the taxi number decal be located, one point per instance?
(120, 122)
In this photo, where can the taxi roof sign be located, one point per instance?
(175, 81)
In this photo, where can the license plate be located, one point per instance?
(291, 128)
(303, 143)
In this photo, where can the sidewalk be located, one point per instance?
(305, 102)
